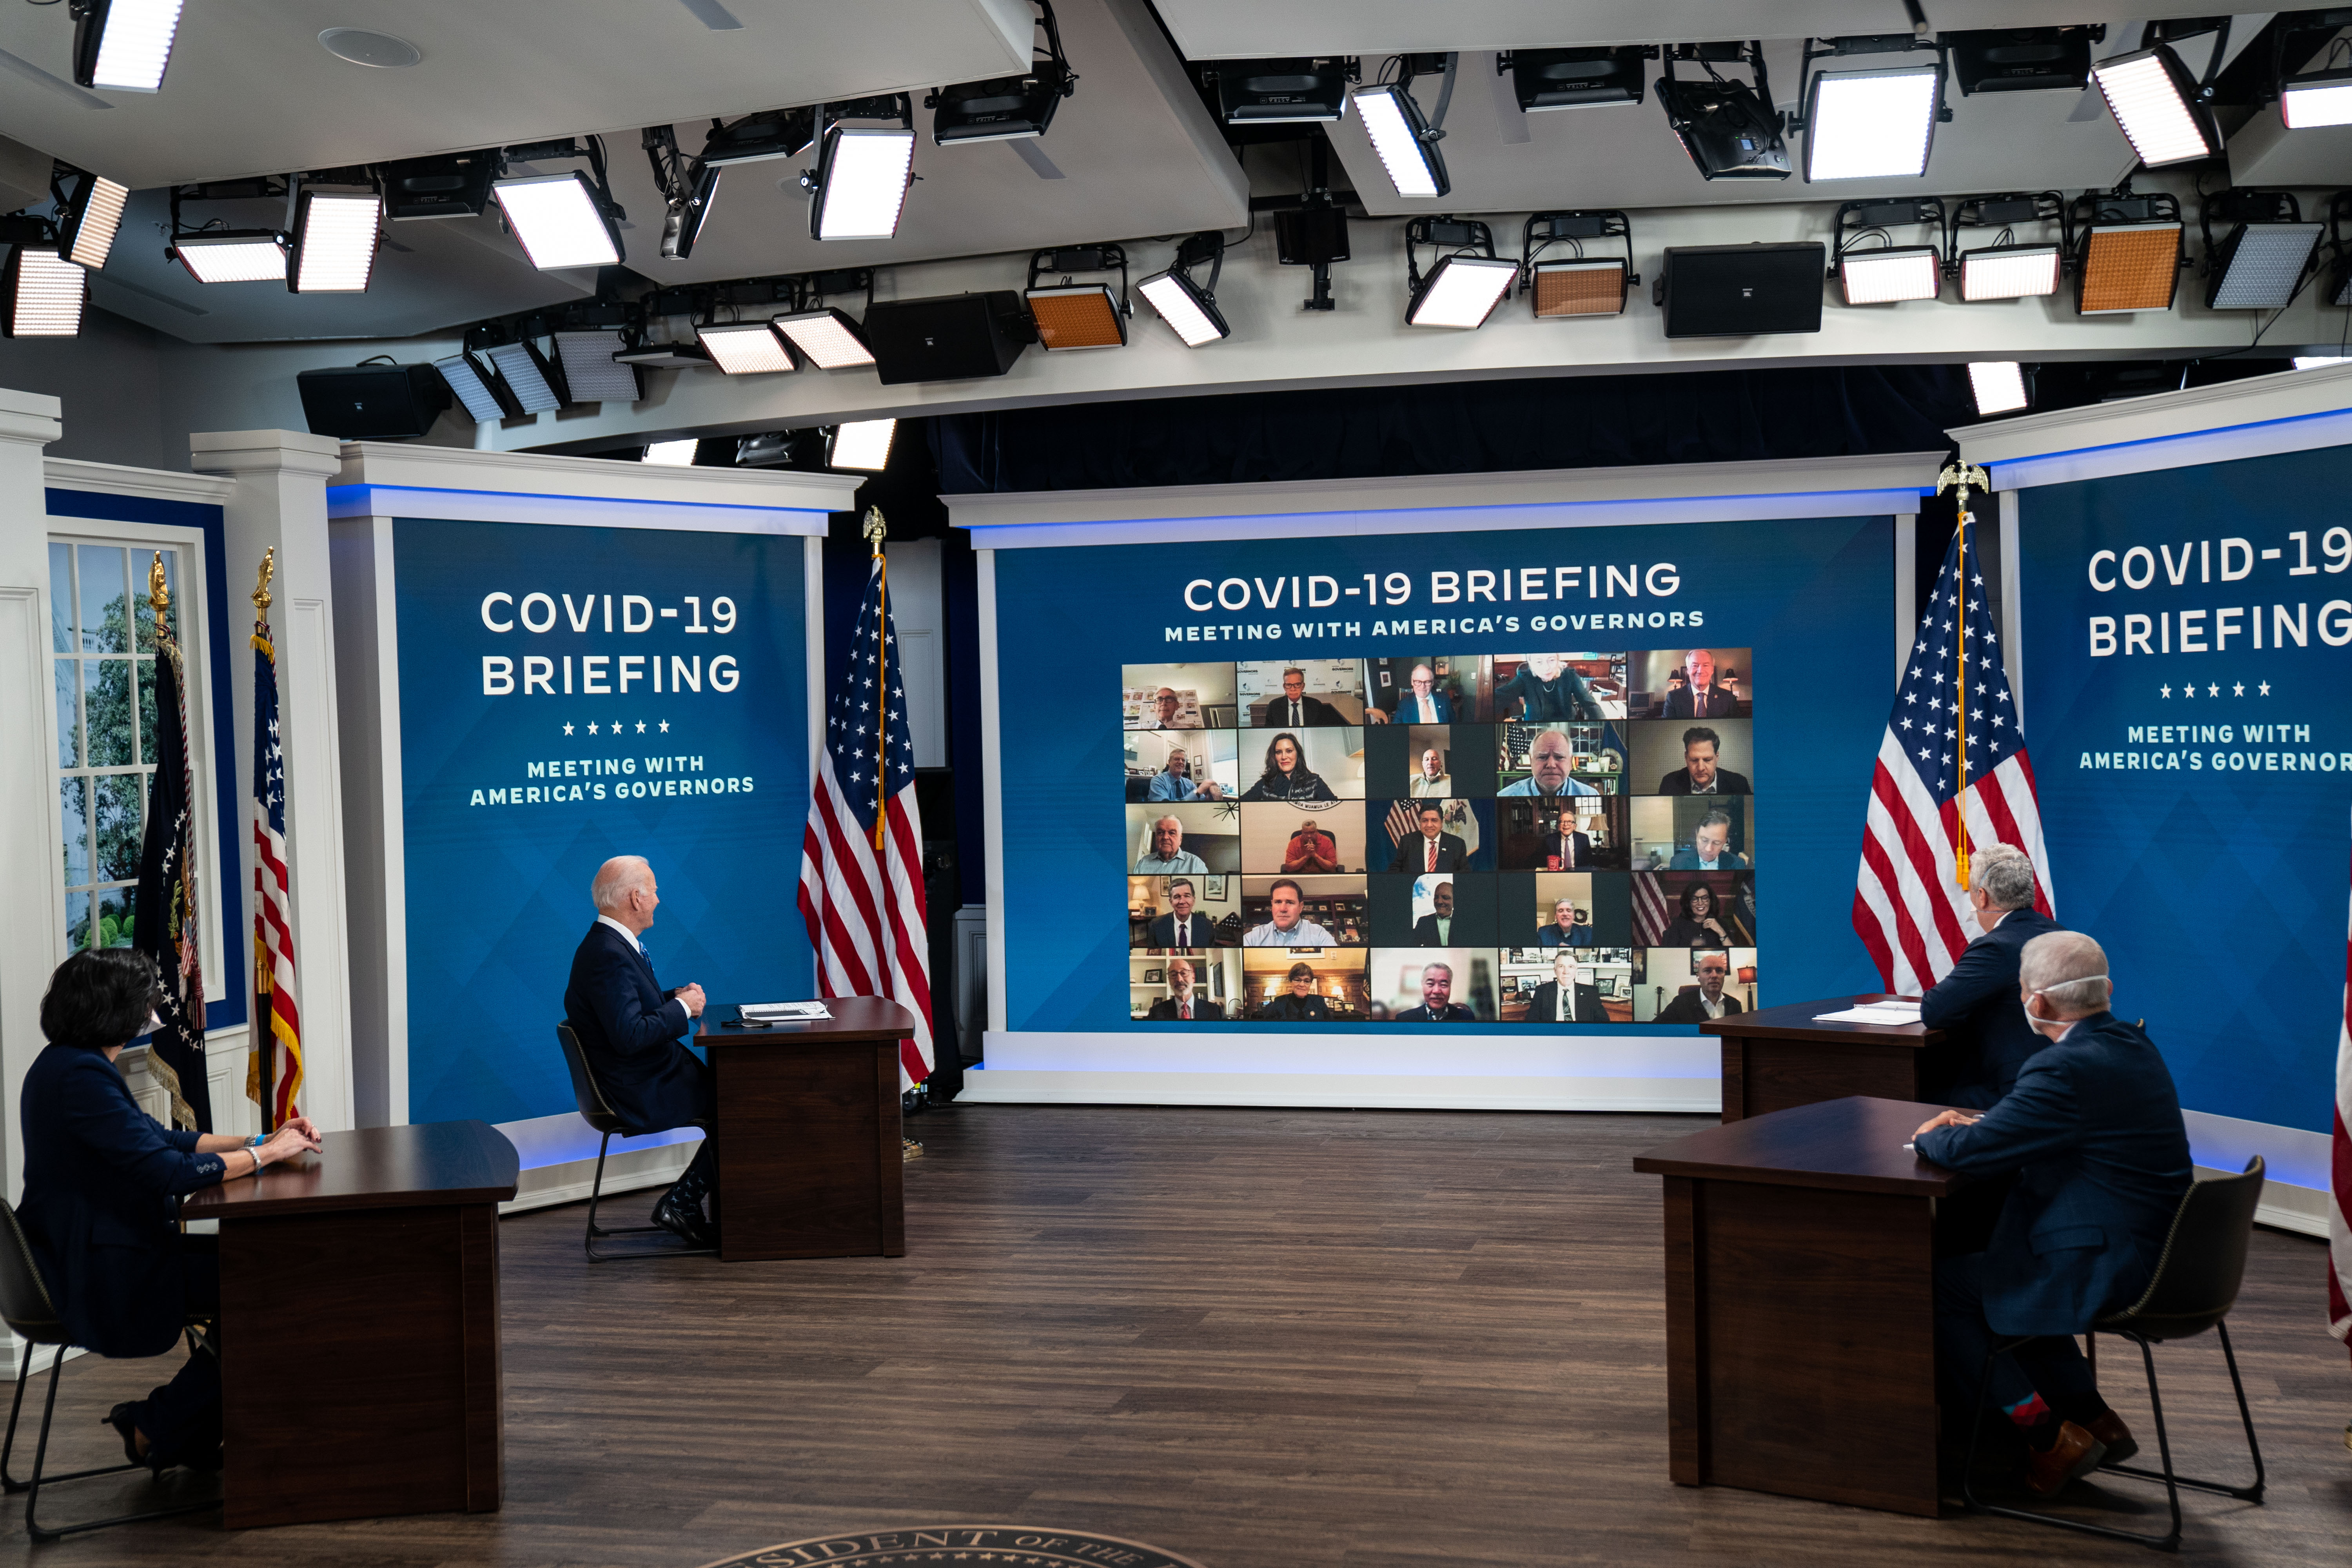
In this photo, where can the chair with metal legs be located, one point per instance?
(2194, 1287)
(606, 1121)
(25, 1306)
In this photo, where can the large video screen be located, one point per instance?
(1469, 836)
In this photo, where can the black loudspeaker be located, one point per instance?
(1738, 290)
(372, 402)
(953, 337)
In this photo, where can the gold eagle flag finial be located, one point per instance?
(261, 600)
(875, 529)
(159, 596)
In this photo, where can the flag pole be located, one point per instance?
(875, 530)
(261, 1068)
(1961, 476)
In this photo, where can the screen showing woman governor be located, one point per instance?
(1467, 836)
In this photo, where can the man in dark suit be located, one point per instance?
(1293, 710)
(1708, 1000)
(1986, 1039)
(1436, 1003)
(1180, 1002)
(1700, 698)
(1436, 929)
(1432, 849)
(629, 1027)
(1583, 999)
(1698, 774)
(2092, 1133)
(1559, 848)
(1424, 704)
(1180, 927)
(1710, 848)
(1563, 931)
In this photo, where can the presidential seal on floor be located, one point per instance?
(998, 1545)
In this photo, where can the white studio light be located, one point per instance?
(88, 234)
(2318, 362)
(1884, 276)
(2152, 99)
(125, 46)
(527, 375)
(1462, 292)
(250, 256)
(1395, 124)
(2263, 264)
(1188, 311)
(862, 444)
(1872, 124)
(2009, 272)
(865, 184)
(747, 348)
(671, 454)
(591, 374)
(830, 339)
(472, 388)
(558, 221)
(334, 242)
(1999, 385)
(2321, 99)
(42, 293)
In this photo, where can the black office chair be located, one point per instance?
(606, 1121)
(2194, 1287)
(25, 1304)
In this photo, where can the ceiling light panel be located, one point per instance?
(526, 376)
(864, 444)
(125, 45)
(749, 348)
(89, 239)
(830, 339)
(2128, 266)
(249, 257)
(1885, 277)
(865, 185)
(1580, 288)
(43, 294)
(558, 222)
(2318, 100)
(463, 375)
(2261, 265)
(1394, 124)
(2009, 272)
(2149, 95)
(1189, 313)
(589, 372)
(1085, 317)
(1999, 385)
(1872, 124)
(334, 242)
(1462, 292)
(671, 454)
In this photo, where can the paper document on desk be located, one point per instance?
(1873, 1012)
(783, 1011)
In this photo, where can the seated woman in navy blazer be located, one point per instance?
(102, 1181)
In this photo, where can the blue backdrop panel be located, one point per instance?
(1813, 598)
(513, 797)
(2192, 777)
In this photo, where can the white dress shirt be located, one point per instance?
(626, 934)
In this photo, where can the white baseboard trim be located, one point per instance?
(625, 1171)
(12, 1361)
(1004, 1086)
(2301, 1210)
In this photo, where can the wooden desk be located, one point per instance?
(359, 1326)
(808, 1157)
(1779, 1056)
(1800, 1354)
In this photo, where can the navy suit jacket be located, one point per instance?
(100, 1178)
(1545, 1004)
(2094, 1131)
(629, 1033)
(1976, 1004)
(1577, 936)
(1162, 931)
(1408, 709)
(1412, 854)
(1454, 1013)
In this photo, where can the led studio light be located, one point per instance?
(1999, 387)
(1460, 292)
(830, 339)
(747, 348)
(682, 219)
(1728, 132)
(1187, 309)
(452, 185)
(558, 221)
(1079, 316)
(1283, 92)
(591, 374)
(2261, 265)
(477, 390)
(334, 242)
(125, 46)
(536, 386)
(2154, 100)
(1873, 124)
(671, 454)
(42, 293)
(1397, 128)
(1543, 79)
(232, 256)
(1579, 287)
(86, 232)
(863, 188)
(2319, 98)
(1885, 277)
(2009, 272)
(862, 444)
(2128, 266)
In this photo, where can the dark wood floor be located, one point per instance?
(1255, 1338)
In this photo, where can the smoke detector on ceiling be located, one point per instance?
(362, 47)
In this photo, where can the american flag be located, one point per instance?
(1651, 914)
(2339, 1207)
(862, 856)
(273, 1074)
(1910, 906)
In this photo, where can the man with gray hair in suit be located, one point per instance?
(1986, 1038)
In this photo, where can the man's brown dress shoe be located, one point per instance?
(2075, 1454)
(2110, 1430)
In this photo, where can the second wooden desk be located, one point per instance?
(1777, 1057)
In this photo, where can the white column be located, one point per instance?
(280, 503)
(32, 918)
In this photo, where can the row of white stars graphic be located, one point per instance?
(2237, 689)
(617, 727)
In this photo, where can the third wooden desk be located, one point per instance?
(1777, 1057)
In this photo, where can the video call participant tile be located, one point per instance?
(1300, 694)
(1171, 766)
(1433, 985)
(1704, 756)
(1177, 696)
(1690, 985)
(1598, 906)
(1325, 986)
(1182, 840)
(1425, 689)
(1545, 761)
(1422, 836)
(1538, 687)
(1430, 761)
(1204, 987)
(1693, 683)
(1302, 765)
(1595, 983)
(1572, 833)
(1303, 912)
(1304, 840)
(1693, 909)
(1694, 833)
(1196, 911)
(1444, 909)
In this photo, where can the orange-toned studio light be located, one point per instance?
(1576, 284)
(1073, 315)
(1579, 287)
(2128, 266)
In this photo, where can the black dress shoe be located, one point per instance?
(123, 1418)
(681, 1218)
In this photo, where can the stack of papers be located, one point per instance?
(1896, 1012)
(783, 1011)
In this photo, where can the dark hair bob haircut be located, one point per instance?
(98, 999)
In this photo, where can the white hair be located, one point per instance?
(2068, 968)
(616, 879)
(2003, 874)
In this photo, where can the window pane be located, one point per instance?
(118, 825)
(77, 921)
(68, 713)
(106, 710)
(115, 916)
(146, 611)
(61, 600)
(145, 671)
(105, 625)
(71, 793)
